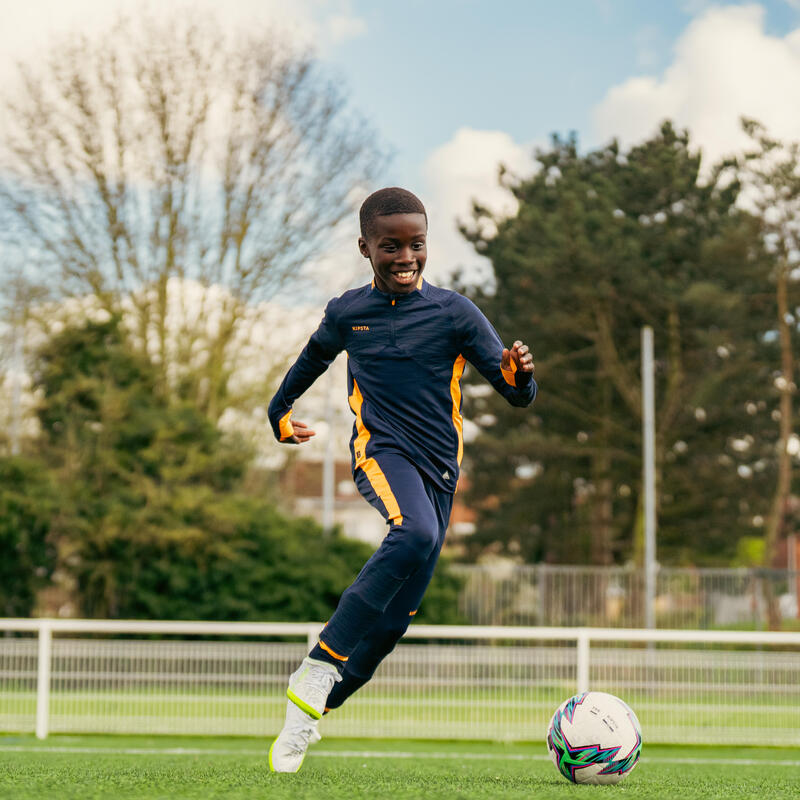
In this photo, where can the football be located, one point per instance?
(594, 737)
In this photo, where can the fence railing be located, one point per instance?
(88, 676)
(685, 598)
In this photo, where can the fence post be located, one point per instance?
(43, 681)
(582, 654)
(312, 635)
(540, 606)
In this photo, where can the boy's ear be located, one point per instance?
(362, 247)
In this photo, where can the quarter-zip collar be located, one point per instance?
(421, 288)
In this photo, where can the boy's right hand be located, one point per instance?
(302, 433)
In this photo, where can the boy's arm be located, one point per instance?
(509, 371)
(322, 348)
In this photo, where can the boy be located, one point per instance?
(407, 343)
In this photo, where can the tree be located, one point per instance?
(27, 552)
(168, 151)
(21, 294)
(134, 469)
(770, 172)
(602, 244)
(153, 521)
(251, 563)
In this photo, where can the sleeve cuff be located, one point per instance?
(523, 379)
(285, 427)
(509, 375)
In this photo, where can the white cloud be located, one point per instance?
(462, 170)
(725, 66)
(29, 27)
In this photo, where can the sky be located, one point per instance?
(455, 88)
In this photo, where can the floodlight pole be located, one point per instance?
(649, 476)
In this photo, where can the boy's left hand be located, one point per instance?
(300, 433)
(522, 357)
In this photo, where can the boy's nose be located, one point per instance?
(405, 256)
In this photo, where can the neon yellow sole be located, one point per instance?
(310, 710)
(272, 766)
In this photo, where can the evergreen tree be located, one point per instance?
(153, 522)
(136, 471)
(770, 173)
(27, 554)
(603, 244)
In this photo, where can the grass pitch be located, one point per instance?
(150, 768)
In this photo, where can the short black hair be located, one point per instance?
(392, 200)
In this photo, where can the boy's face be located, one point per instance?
(397, 251)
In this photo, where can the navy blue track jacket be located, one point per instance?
(406, 355)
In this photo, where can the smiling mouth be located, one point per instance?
(405, 276)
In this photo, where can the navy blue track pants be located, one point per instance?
(374, 612)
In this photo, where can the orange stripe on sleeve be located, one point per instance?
(285, 426)
(411, 613)
(370, 466)
(508, 374)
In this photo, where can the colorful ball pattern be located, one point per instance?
(594, 737)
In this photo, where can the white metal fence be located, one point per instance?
(685, 598)
(442, 682)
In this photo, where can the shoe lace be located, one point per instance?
(325, 677)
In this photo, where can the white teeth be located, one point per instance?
(404, 274)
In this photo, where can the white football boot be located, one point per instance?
(308, 690)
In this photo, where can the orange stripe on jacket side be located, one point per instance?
(508, 374)
(331, 652)
(455, 393)
(370, 466)
(285, 426)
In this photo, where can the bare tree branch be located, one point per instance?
(168, 150)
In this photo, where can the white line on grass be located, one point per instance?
(132, 751)
(738, 762)
(199, 751)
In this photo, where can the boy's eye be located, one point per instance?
(418, 245)
(389, 248)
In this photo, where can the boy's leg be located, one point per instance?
(383, 636)
(414, 534)
(390, 627)
(397, 490)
